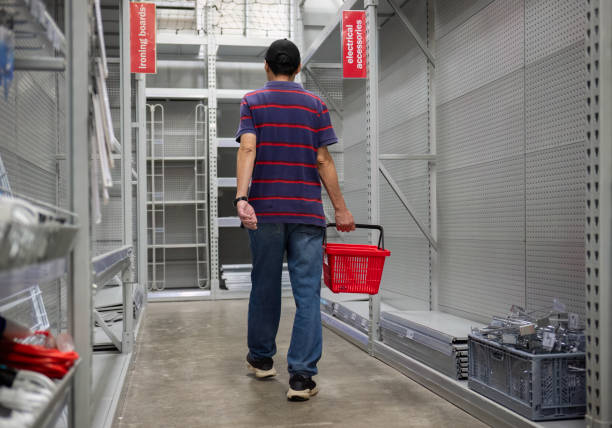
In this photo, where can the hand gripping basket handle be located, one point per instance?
(381, 238)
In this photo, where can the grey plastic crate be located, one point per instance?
(537, 386)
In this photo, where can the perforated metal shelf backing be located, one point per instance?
(28, 151)
(511, 168)
(264, 18)
(404, 120)
(179, 129)
(180, 225)
(330, 80)
(452, 13)
(486, 47)
(181, 274)
(31, 124)
(555, 161)
(179, 182)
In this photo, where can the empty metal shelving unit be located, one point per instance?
(177, 196)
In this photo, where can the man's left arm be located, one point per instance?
(329, 177)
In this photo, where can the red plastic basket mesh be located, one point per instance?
(350, 268)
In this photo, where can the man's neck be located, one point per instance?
(281, 78)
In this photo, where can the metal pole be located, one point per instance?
(211, 53)
(126, 122)
(80, 296)
(126, 170)
(372, 112)
(40, 64)
(598, 228)
(433, 151)
(141, 160)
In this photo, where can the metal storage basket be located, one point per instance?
(537, 386)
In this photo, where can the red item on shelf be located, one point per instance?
(49, 361)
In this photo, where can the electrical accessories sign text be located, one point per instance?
(354, 63)
(142, 38)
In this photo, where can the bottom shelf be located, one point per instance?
(455, 391)
(109, 374)
(50, 413)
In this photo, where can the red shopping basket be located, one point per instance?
(351, 268)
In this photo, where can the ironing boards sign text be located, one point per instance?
(354, 59)
(143, 56)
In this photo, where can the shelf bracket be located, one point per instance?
(422, 44)
(398, 192)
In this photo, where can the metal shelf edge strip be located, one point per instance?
(108, 265)
(14, 280)
(49, 414)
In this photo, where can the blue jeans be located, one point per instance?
(303, 244)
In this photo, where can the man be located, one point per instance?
(284, 133)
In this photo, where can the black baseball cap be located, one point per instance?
(283, 52)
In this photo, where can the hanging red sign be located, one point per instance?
(354, 60)
(142, 38)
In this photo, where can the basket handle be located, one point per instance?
(381, 238)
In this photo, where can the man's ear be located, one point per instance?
(266, 66)
(298, 69)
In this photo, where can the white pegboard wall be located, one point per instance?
(330, 81)
(551, 25)
(486, 47)
(555, 198)
(554, 99)
(483, 202)
(511, 171)
(452, 13)
(480, 278)
(403, 93)
(406, 275)
(484, 125)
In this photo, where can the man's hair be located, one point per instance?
(283, 57)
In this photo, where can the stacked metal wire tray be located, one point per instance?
(434, 338)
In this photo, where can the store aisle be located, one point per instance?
(189, 371)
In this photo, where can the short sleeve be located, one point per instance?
(326, 133)
(246, 120)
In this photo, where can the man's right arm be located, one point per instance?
(329, 177)
(244, 171)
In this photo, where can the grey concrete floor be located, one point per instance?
(189, 371)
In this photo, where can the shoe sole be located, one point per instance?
(261, 374)
(293, 395)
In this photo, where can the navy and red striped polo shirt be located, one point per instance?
(291, 124)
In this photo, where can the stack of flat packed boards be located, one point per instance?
(238, 277)
(357, 314)
(434, 338)
(330, 301)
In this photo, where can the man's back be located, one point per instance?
(291, 124)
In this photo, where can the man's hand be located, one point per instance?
(247, 215)
(344, 221)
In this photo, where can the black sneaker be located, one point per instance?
(262, 368)
(301, 388)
